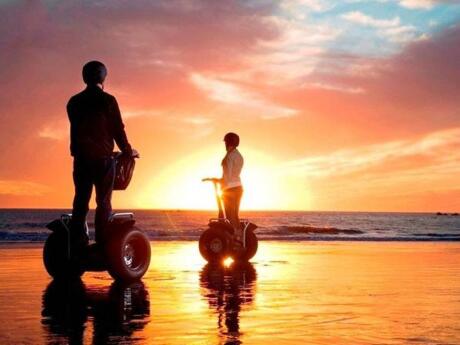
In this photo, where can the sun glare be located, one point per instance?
(179, 186)
(228, 262)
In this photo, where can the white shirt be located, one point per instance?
(231, 166)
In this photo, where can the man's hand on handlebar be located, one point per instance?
(135, 154)
(130, 153)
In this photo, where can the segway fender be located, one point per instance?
(251, 227)
(221, 226)
(57, 226)
(118, 223)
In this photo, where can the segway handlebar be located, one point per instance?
(216, 182)
(134, 154)
(211, 179)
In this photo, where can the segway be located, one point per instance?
(124, 252)
(216, 242)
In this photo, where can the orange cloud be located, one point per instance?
(440, 147)
(229, 93)
(185, 73)
(22, 188)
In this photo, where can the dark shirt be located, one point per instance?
(95, 122)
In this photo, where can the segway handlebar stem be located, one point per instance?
(217, 185)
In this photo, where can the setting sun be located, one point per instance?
(179, 186)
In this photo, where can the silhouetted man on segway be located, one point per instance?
(95, 123)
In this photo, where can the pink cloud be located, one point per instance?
(261, 61)
(149, 47)
(411, 93)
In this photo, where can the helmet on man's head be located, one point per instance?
(232, 139)
(94, 72)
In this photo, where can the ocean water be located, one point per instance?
(29, 225)
(364, 293)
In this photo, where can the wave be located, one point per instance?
(30, 225)
(17, 236)
(307, 229)
(24, 225)
(438, 235)
(291, 233)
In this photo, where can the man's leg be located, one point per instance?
(105, 174)
(83, 188)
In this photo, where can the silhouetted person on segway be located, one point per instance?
(95, 123)
(231, 187)
(228, 236)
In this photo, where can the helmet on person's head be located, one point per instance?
(232, 139)
(94, 72)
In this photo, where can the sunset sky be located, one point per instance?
(340, 105)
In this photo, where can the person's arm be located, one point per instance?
(70, 115)
(212, 179)
(119, 129)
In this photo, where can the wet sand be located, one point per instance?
(292, 293)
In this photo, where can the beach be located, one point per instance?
(291, 293)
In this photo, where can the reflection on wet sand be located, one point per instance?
(227, 289)
(117, 312)
(305, 293)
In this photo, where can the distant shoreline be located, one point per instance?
(67, 210)
(30, 226)
(25, 244)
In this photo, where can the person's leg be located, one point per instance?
(231, 204)
(105, 174)
(83, 188)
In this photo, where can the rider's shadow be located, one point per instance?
(228, 290)
(116, 313)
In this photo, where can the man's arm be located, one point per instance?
(119, 129)
(70, 115)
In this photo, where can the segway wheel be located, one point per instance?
(128, 255)
(55, 257)
(213, 245)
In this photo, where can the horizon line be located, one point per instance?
(242, 211)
